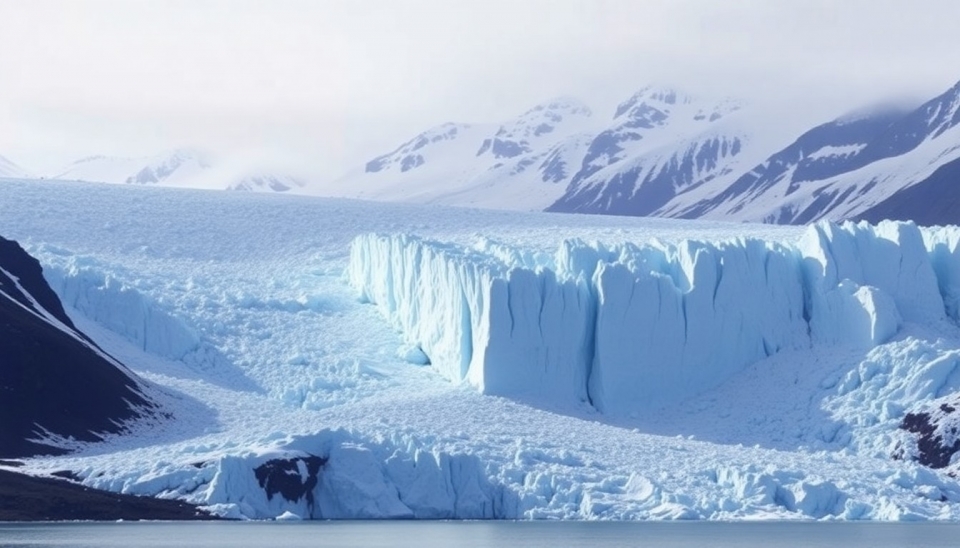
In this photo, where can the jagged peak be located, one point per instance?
(955, 89)
(663, 95)
(443, 129)
(447, 130)
(543, 119)
(264, 180)
(407, 154)
(718, 109)
(563, 104)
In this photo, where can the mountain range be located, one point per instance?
(662, 153)
(524, 162)
(182, 167)
(665, 153)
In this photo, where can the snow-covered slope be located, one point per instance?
(180, 167)
(668, 154)
(267, 182)
(883, 164)
(660, 150)
(184, 168)
(774, 366)
(661, 143)
(823, 152)
(523, 163)
(10, 169)
(57, 385)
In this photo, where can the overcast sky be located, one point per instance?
(328, 84)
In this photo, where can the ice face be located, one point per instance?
(629, 328)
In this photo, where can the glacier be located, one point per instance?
(499, 385)
(629, 328)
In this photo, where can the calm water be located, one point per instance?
(469, 534)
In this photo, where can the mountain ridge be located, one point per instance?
(186, 167)
(667, 153)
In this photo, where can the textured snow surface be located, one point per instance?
(239, 309)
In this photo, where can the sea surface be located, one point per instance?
(499, 534)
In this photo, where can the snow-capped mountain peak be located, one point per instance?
(409, 155)
(524, 161)
(661, 142)
(652, 106)
(166, 166)
(871, 163)
(267, 182)
(558, 147)
(178, 167)
(943, 112)
(545, 122)
(650, 97)
(186, 167)
(665, 152)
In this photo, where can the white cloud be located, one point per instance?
(331, 83)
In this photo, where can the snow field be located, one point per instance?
(269, 354)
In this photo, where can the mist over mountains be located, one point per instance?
(661, 153)
(665, 153)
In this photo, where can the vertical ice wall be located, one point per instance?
(673, 322)
(507, 331)
(82, 285)
(630, 327)
(863, 281)
(943, 244)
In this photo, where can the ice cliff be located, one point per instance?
(626, 328)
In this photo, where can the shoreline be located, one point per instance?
(25, 498)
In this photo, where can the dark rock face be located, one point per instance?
(555, 168)
(406, 156)
(293, 479)
(843, 146)
(410, 162)
(27, 498)
(935, 430)
(505, 148)
(646, 187)
(933, 201)
(52, 377)
(800, 163)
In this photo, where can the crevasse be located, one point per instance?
(626, 328)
